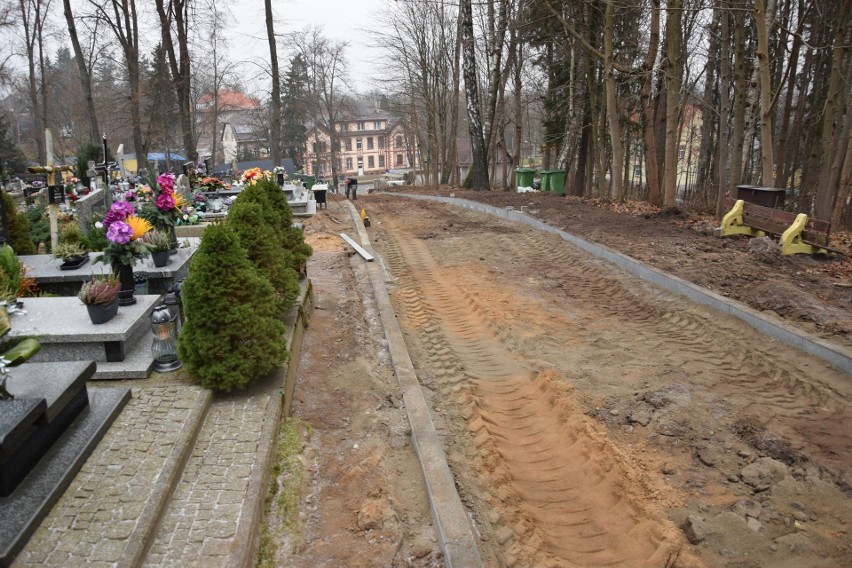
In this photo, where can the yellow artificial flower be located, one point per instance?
(139, 225)
(179, 201)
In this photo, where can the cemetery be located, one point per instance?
(113, 295)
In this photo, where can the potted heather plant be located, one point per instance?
(73, 255)
(160, 244)
(100, 295)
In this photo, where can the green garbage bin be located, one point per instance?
(545, 180)
(524, 177)
(556, 182)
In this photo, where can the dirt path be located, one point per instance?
(592, 420)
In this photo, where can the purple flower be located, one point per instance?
(129, 196)
(119, 232)
(167, 182)
(165, 202)
(119, 211)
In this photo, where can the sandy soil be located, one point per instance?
(589, 419)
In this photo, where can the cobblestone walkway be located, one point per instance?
(206, 517)
(103, 517)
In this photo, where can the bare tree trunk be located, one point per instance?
(767, 158)
(179, 63)
(479, 168)
(612, 107)
(275, 101)
(85, 77)
(652, 169)
(836, 99)
(722, 153)
(673, 78)
(845, 188)
(784, 131)
(740, 86)
(708, 116)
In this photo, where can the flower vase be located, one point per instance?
(128, 285)
(101, 314)
(174, 243)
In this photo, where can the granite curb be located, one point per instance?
(452, 524)
(773, 327)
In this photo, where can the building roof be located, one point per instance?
(228, 100)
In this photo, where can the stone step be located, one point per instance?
(66, 333)
(110, 511)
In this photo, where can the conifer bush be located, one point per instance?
(279, 215)
(265, 252)
(232, 333)
(19, 227)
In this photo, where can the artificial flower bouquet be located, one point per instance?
(124, 232)
(165, 209)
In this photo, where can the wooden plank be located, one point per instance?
(367, 256)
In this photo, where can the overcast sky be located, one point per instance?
(353, 21)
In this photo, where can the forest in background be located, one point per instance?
(667, 102)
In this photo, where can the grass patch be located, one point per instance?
(285, 491)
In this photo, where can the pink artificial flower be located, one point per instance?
(166, 182)
(165, 202)
(119, 211)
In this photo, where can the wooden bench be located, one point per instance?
(798, 233)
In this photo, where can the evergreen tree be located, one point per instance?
(294, 111)
(19, 227)
(232, 334)
(12, 159)
(258, 240)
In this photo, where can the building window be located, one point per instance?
(399, 141)
(348, 144)
(370, 143)
(399, 159)
(377, 125)
(348, 163)
(361, 126)
(371, 163)
(381, 142)
(358, 144)
(381, 160)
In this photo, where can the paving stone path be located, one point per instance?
(203, 524)
(103, 517)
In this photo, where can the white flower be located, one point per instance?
(185, 217)
(99, 225)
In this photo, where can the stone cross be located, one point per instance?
(119, 155)
(51, 169)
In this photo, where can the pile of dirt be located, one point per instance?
(813, 291)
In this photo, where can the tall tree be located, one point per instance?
(174, 19)
(478, 176)
(294, 110)
(122, 19)
(674, 15)
(32, 17)
(275, 100)
(83, 69)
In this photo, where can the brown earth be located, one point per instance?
(589, 419)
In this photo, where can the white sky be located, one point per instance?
(353, 21)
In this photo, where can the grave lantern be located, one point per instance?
(164, 347)
(172, 301)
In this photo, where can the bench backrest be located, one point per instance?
(776, 221)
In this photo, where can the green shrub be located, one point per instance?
(69, 233)
(262, 248)
(19, 227)
(39, 224)
(95, 239)
(279, 215)
(87, 152)
(232, 334)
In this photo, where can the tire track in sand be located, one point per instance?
(562, 494)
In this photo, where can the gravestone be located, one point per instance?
(89, 205)
(182, 186)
